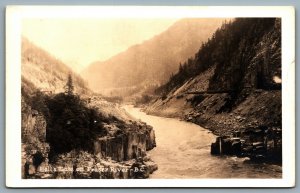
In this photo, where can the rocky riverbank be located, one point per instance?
(120, 154)
(255, 122)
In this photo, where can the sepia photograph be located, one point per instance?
(156, 93)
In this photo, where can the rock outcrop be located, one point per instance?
(132, 144)
(121, 154)
(260, 144)
(34, 146)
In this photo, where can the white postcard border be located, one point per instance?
(14, 17)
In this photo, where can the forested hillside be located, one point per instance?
(245, 52)
(232, 83)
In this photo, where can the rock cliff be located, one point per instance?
(34, 145)
(122, 152)
(122, 145)
(132, 144)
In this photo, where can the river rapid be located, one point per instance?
(183, 151)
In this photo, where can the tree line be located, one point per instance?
(230, 49)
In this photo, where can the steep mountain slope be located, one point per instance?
(42, 72)
(46, 72)
(153, 61)
(234, 81)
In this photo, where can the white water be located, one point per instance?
(183, 151)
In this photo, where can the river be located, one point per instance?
(183, 151)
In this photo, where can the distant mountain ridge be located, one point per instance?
(154, 60)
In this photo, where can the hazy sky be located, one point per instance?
(80, 42)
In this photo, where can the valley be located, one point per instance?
(200, 100)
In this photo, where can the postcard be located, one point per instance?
(150, 96)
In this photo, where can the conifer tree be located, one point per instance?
(69, 87)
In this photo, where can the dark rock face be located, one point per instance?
(226, 146)
(34, 146)
(119, 155)
(129, 145)
(33, 125)
(258, 144)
